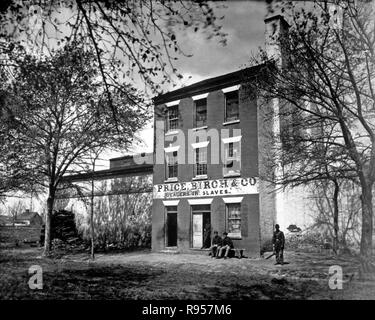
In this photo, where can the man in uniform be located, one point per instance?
(278, 242)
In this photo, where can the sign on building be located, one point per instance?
(206, 188)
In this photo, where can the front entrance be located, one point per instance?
(171, 226)
(201, 226)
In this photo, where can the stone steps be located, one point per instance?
(170, 251)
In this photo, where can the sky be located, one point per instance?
(245, 27)
(244, 24)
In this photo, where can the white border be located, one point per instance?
(231, 139)
(171, 149)
(200, 96)
(168, 203)
(229, 89)
(173, 103)
(200, 144)
(200, 201)
(233, 200)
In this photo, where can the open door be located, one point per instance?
(197, 230)
(201, 226)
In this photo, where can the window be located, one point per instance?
(172, 121)
(234, 219)
(200, 119)
(200, 161)
(232, 158)
(172, 165)
(231, 106)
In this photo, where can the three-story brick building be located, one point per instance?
(211, 141)
(206, 176)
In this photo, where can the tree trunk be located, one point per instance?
(367, 224)
(92, 235)
(336, 217)
(367, 268)
(47, 234)
(92, 220)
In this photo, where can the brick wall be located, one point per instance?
(249, 168)
(267, 196)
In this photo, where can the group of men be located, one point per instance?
(219, 244)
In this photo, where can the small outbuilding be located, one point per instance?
(29, 218)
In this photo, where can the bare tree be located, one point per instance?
(64, 117)
(94, 159)
(14, 172)
(327, 77)
(15, 209)
(122, 209)
(327, 202)
(130, 38)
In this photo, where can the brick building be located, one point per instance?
(195, 189)
(209, 141)
(191, 195)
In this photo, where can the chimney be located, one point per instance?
(276, 28)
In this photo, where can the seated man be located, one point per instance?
(227, 244)
(216, 244)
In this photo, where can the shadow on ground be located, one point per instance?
(155, 276)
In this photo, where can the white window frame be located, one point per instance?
(170, 203)
(226, 91)
(193, 202)
(172, 105)
(195, 146)
(195, 115)
(228, 202)
(170, 150)
(227, 142)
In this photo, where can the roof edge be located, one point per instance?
(107, 173)
(210, 84)
(276, 17)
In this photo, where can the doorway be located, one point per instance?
(171, 226)
(201, 226)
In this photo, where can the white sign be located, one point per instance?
(206, 188)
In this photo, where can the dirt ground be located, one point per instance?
(146, 275)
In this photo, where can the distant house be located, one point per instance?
(25, 228)
(29, 218)
(6, 220)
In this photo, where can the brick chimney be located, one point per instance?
(272, 201)
(276, 28)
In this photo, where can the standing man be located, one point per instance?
(216, 244)
(278, 242)
(207, 236)
(227, 244)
